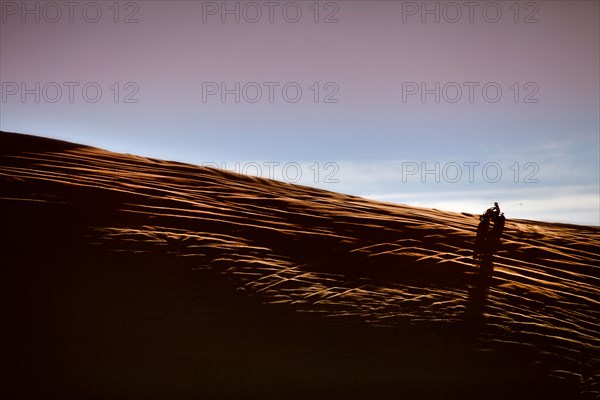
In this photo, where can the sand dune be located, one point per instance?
(132, 277)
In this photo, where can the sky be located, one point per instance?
(450, 105)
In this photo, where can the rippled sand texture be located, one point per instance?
(137, 277)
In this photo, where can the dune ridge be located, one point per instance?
(310, 254)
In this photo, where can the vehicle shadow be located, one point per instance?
(487, 243)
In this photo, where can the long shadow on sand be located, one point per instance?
(487, 243)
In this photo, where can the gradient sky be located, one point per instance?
(169, 50)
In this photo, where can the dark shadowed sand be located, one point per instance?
(129, 277)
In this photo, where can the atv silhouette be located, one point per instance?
(493, 214)
(489, 215)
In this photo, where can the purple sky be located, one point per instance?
(374, 54)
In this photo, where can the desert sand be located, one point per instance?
(130, 277)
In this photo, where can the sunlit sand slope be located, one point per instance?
(131, 276)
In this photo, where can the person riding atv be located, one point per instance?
(491, 213)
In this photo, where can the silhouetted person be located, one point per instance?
(495, 211)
